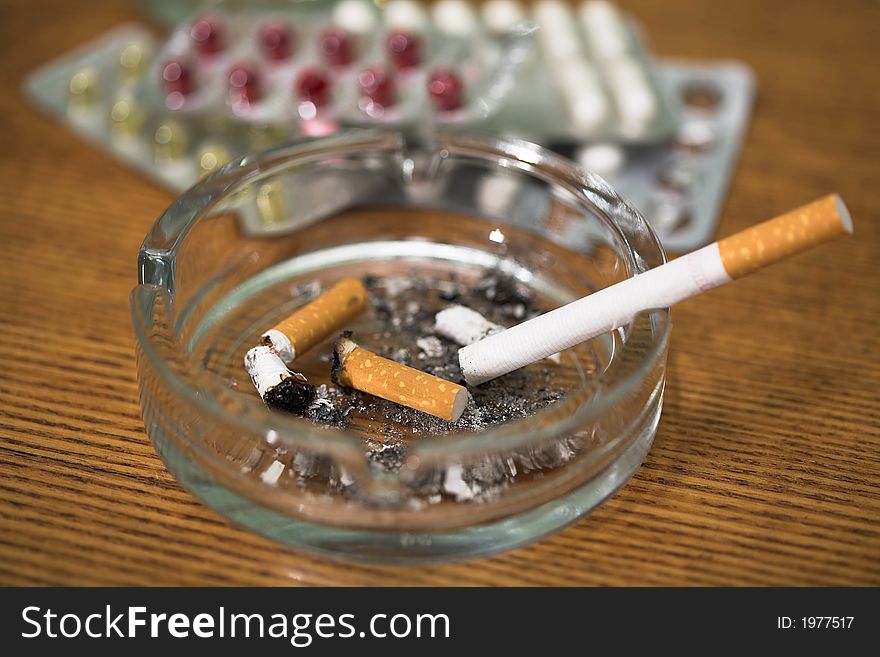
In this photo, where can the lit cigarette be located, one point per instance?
(316, 320)
(358, 368)
(278, 386)
(463, 325)
(684, 277)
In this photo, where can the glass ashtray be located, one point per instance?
(246, 246)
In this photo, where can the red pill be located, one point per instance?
(313, 86)
(244, 85)
(206, 35)
(176, 77)
(405, 49)
(336, 46)
(276, 41)
(445, 89)
(377, 85)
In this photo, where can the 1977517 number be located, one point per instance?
(815, 622)
(827, 622)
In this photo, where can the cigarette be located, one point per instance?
(278, 387)
(358, 368)
(463, 325)
(316, 320)
(692, 274)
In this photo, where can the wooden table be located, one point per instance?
(766, 467)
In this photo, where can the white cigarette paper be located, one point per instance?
(592, 315)
(265, 368)
(463, 326)
(280, 344)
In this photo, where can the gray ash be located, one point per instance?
(400, 325)
(333, 406)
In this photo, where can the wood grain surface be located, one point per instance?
(766, 467)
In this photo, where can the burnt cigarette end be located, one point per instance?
(292, 395)
(341, 348)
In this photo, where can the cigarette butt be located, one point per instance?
(316, 320)
(278, 387)
(463, 325)
(358, 368)
(784, 236)
(682, 278)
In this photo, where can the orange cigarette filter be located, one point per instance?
(324, 316)
(784, 236)
(361, 369)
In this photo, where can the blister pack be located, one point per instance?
(680, 185)
(576, 78)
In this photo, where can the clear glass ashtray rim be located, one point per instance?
(162, 242)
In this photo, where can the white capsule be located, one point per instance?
(501, 16)
(355, 16)
(605, 29)
(585, 100)
(455, 17)
(557, 35)
(635, 99)
(406, 15)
